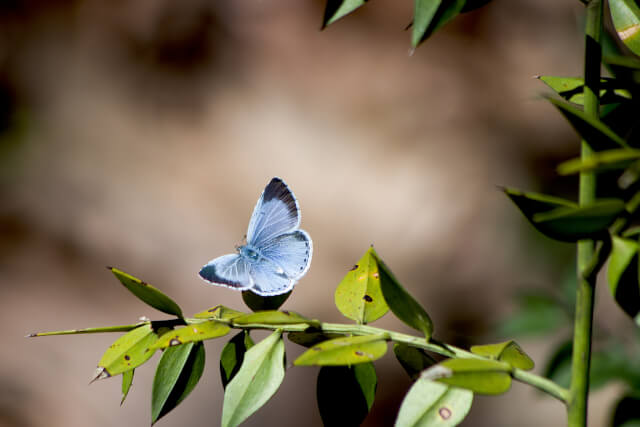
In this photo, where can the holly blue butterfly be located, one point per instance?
(277, 253)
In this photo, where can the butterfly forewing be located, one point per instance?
(275, 213)
(228, 270)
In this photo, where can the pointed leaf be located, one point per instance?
(584, 222)
(429, 403)
(337, 9)
(147, 293)
(598, 135)
(604, 160)
(358, 296)
(127, 352)
(626, 20)
(259, 303)
(508, 351)
(177, 374)
(127, 380)
(219, 312)
(424, 11)
(477, 375)
(413, 360)
(309, 339)
(344, 351)
(232, 356)
(119, 328)
(447, 11)
(572, 89)
(623, 275)
(192, 333)
(401, 303)
(259, 377)
(346, 393)
(273, 317)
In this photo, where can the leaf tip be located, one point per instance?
(99, 374)
(31, 335)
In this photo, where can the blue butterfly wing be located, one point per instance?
(276, 213)
(269, 279)
(291, 252)
(228, 270)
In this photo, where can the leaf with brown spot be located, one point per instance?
(127, 352)
(193, 333)
(219, 312)
(344, 351)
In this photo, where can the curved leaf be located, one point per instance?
(358, 296)
(259, 303)
(192, 333)
(346, 393)
(309, 339)
(625, 15)
(119, 328)
(622, 274)
(259, 377)
(508, 351)
(429, 403)
(344, 351)
(413, 360)
(232, 356)
(273, 317)
(219, 312)
(127, 352)
(147, 293)
(177, 374)
(337, 9)
(604, 160)
(401, 303)
(477, 375)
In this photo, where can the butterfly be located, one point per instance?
(277, 253)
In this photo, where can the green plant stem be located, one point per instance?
(541, 383)
(579, 388)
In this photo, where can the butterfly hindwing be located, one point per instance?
(275, 213)
(269, 279)
(291, 252)
(228, 270)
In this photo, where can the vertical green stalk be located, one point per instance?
(579, 389)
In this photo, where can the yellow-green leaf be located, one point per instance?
(309, 339)
(344, 351)
(477, 375)
(273, 317)
(626, 20)
(604, 160)
(148, 293)
(358, 296)
(127, 380)
(508, 351)
(623, 273)
(192, 333)
(127, 352)
(119, 328)
(429, 403)
(219, 312)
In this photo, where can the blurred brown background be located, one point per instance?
(140, 134)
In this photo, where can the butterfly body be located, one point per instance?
(277, 253)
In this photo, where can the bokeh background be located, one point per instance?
(140, 134)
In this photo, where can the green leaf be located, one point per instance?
(346, 393)
(273, 317)
(192, 333)
(259, 377)
(127, 380)
(477, 375)
(337, 9)
(219, 312)
(401, 303)
(259, 303)
(508, 351)
(604, 160)
(622, 274)
(309, 339)
(358, 296)
(413, 360)
(563, 220)
(177, 374)
(536, 314)
(424, 11)
(344, 351)
(232, 356)
(558, 368)
(147, 293)
(572, 89)
(429, 403)
(626, 20)
(598, 135)
(119, 328)
(127, 352)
